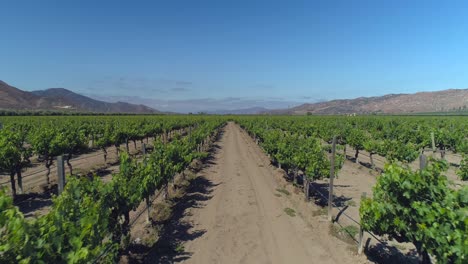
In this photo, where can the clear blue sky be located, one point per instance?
(256, 52)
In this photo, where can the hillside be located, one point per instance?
(16, 99)
(440, 101)
(12, 98)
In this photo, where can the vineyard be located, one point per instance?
(422, 207)
(90, 219)
(413, 171)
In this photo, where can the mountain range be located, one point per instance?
(422, 102)
(60, 99)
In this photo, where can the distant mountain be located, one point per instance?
(245, 111)
(440, 101)
(12, 98)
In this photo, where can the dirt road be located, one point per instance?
(243, 219)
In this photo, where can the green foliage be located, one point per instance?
(283, 191)
(444, 138)
(290, 211)
(400, 152)
(351, 230)
(90, 220)
(47, 142)
(295, 150)
(13, 153)
(91, 217)
(10, 154)
(374, 147)
(463, 170)
(76, 228)
(356, 138)
(16, 242)
(311, 158)
(419, 207)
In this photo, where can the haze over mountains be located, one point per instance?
(243, 111)
(60, 99)
(422, 102)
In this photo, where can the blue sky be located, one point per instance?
(203, 55)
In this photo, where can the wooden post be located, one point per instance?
(294, 172)
(422, 162)
(60, 174)
(148, 204)
(433, 142)
(361, 231)
(306, 188)
(332, 175)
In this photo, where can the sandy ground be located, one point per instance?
(354, 179)
(242, 217)
(454, 160)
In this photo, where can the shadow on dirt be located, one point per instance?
(174, 232)
(319, 194)
(369, 166)
(386, 253)
(101, 172)
(29, 203)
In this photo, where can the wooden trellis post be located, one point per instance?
(332, 175)
(361, 231)
(60, 174)
(433, 142)
(422, 162)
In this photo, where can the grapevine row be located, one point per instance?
(91, 217)
(419, 207)
(46, 138)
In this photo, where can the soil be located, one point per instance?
(234, 213)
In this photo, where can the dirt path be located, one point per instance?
(243, 219)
